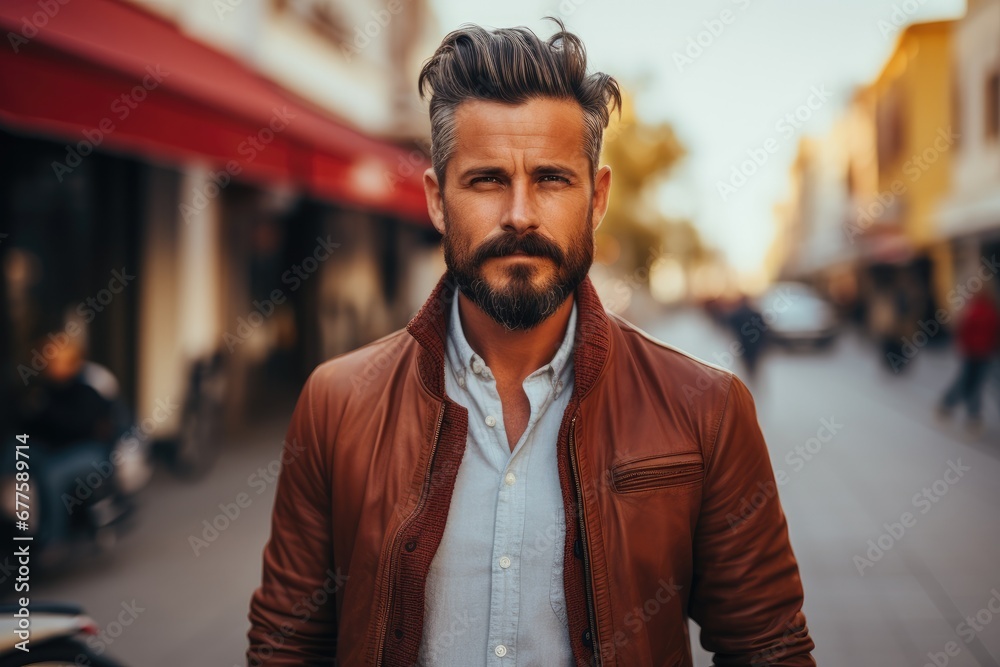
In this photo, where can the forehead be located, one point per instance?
(541, 128)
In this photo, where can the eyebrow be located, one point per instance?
(540, 170)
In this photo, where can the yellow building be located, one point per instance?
(915, 139)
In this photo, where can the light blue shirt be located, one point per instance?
(494, 591)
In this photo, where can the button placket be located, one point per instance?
(504, 597)
(506, 582)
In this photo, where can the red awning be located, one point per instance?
(107, 73)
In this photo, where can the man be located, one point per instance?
(70, 414)
(977, 334)
(520, 477)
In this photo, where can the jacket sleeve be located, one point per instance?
(746, 594)
(293, 618)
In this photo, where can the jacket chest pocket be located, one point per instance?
(657, 472)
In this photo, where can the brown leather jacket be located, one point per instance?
(671, 506)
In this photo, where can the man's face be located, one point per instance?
(518, 207)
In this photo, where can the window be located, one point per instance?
(889, 123)
(956, 108)
(993, 106)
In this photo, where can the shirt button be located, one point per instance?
(504, 562)
(509, 479)
(500, 650)
(491, 421)
(477, 365)
(461, 381)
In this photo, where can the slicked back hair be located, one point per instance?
(513, 65)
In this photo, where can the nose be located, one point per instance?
(520, 215)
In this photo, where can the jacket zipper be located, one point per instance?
(387, 578)
(660, 471)
(583, 544)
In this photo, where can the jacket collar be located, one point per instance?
(592, 340)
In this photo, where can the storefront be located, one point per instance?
(164, 198)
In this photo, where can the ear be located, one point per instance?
(602, 193)
(435, 202)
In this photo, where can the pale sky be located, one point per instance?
(763, 64)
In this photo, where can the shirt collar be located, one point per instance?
(463, 358)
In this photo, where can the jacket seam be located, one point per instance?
(317, 442)
(710, 455)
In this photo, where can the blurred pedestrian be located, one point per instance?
(750, 332)
(890, 314)
(977, 338)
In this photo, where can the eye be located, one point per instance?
(554, 178)
(484, 179)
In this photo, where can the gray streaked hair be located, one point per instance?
(513, 65)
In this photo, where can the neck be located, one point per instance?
(513, 354)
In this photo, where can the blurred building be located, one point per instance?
(863, 215)
(970, 214)
(184, 177)
(833, 179)
(914, 143)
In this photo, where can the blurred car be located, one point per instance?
(795, 314)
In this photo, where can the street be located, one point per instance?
(891, 516)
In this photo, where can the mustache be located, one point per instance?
(508, 244)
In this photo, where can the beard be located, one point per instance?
(520, 303)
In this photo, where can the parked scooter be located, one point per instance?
(57, 634)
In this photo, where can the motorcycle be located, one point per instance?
(101, 500)
(56, 637)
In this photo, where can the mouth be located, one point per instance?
(519, 253)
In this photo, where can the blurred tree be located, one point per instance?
(642, 157)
